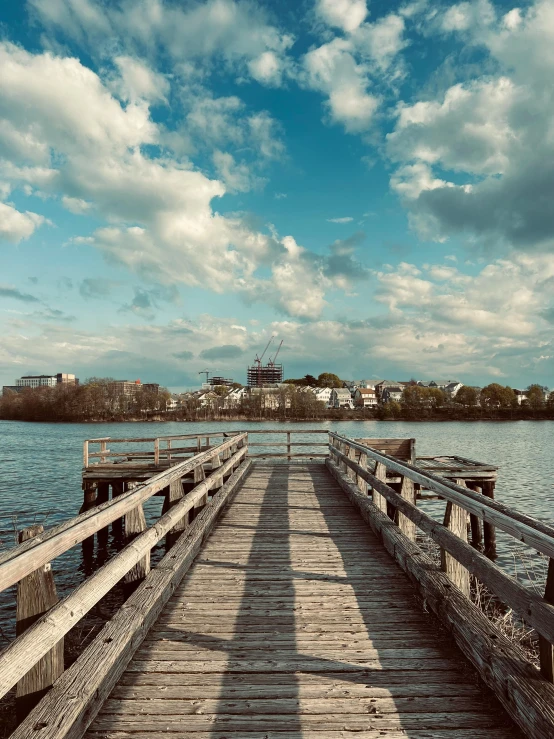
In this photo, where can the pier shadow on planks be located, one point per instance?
(295, 621)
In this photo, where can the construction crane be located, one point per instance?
(272, 361)
(258, 360)
(205, 372)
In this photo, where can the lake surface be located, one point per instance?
(40, 471)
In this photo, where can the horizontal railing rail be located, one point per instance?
(459, 559)
(157, 453)
(308, 449)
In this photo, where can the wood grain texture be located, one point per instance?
(36, 594)
(294, 621)
(527, 697)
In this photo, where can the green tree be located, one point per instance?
(466, 396)
(328, 379)
(535, 396)
(497, 396)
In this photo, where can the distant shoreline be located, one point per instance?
(172, 417)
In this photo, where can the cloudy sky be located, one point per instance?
(370, 181)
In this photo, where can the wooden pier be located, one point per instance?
(294, 598)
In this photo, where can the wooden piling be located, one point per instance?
(36, 594)
(381, 474)
(102, 496)
(135, 523)
(475, 522)
(455, 519)
(360, 482)
(407, 491)
(117, 525)
(89, 501)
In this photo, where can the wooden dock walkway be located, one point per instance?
(295, 621)
(279, 594)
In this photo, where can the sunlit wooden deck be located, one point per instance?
(294, 621)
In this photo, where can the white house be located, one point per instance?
(341, 398)
(234, 397)
(521, 395)
(452, 388)
(172, 403)
(323, 394)
(365, 397)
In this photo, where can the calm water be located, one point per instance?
(40, 469)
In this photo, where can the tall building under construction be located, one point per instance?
(259, 375)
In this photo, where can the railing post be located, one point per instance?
(174, 495)
(169, 450)
(85, 454)
(288, 446)
(455, 519)
(381, 474)
(156, 452)
(407, 491)
(489, 530)
(103, 448)
(362, 484)
(216, 462)
(475, 523)
(351, 455)
(135, 524)
(546, 650)
(36, 594)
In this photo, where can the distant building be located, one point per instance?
(216, 380)
(383, 385)
(63, 378)
(172, 403)
(124, 387)
(35, 381)
(151, 387)
(323, 394)
(392, 392)
(453, 387)
(267, 374)
(7, 389)
(521, 395)
(234, 398)
(341, 398)
(365, 397)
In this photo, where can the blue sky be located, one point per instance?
(371, 182)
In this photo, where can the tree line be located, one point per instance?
(492, 401)
(97, 399)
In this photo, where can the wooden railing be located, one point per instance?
(383, 488)
(307, 449)
(163, 448)
(42, 624)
